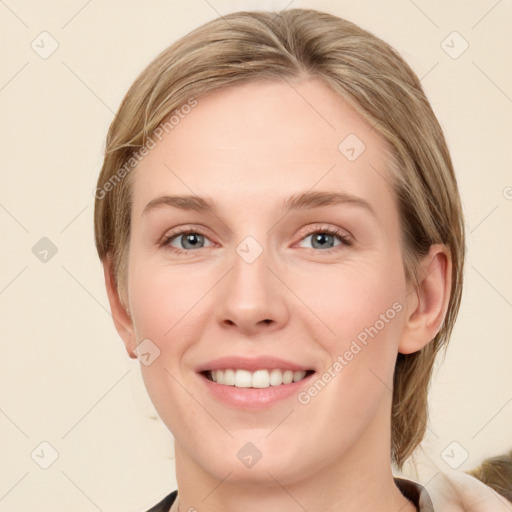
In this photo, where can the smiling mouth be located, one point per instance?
(257, 379)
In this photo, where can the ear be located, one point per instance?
(426, 305)
(120, 313)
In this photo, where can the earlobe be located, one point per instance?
(427, 305)
(120, 314)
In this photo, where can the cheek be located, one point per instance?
(359, 319)
(164, 303)
(351, 298)
(162, 299)
(363, 311)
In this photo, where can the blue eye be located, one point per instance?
(188, 237)
(192, 239)
(324, 237)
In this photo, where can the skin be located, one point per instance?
(248, 148)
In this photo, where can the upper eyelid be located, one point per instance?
(193, 228)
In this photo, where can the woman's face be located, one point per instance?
(270, 278)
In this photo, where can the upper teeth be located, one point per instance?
(257, 379)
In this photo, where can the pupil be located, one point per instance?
(191, 239)
(321, 238)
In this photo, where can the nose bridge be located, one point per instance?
(251, 278)
(252, 294)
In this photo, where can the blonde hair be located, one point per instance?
(363, 70)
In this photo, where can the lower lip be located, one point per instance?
(254, 398)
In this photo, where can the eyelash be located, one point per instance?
(344, 239)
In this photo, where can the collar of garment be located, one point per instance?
(416, 493)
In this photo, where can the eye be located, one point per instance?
(186, 238)
(324, 237)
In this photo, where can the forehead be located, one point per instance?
(267, 139)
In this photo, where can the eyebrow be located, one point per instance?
(302, 201)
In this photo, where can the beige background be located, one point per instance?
(65, 377)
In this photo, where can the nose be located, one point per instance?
(252, 297)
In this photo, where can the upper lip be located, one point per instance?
(251, 364)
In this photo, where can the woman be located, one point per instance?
(283, 245)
